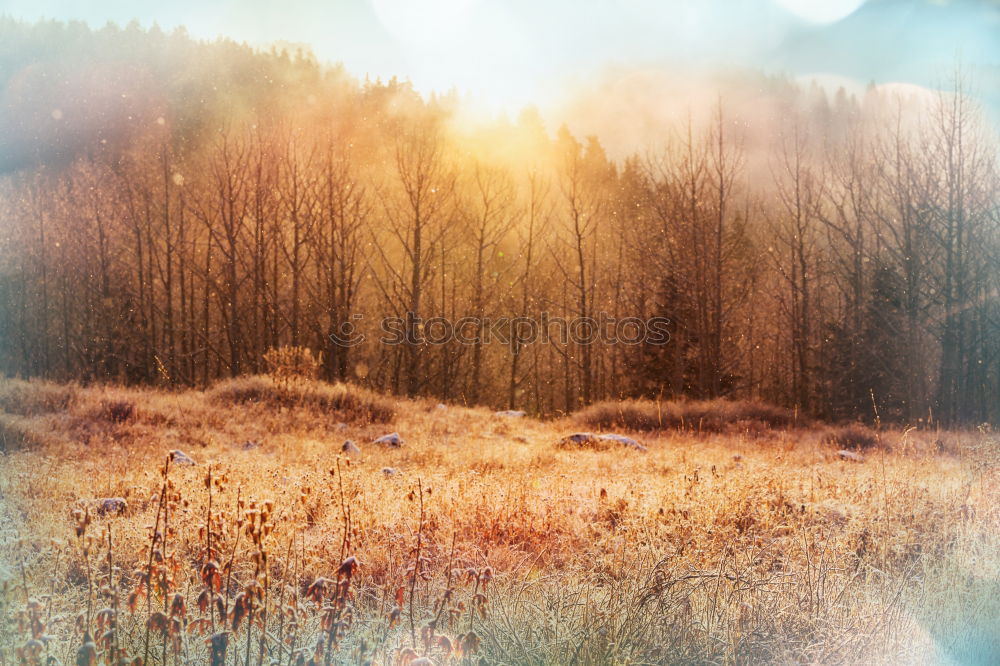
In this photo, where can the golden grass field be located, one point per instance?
(489, 544)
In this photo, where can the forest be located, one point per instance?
(172, 209)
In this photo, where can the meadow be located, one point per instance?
(736, 537)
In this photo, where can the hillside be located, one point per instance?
(761, 545)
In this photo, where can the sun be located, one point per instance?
(821, 11)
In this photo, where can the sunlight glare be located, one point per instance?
(821, 11)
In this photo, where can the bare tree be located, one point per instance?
(795, 253)
(539, 211)
(573, 252)
(344, 210)
(223, 209)
(418, 214)
(490, 214)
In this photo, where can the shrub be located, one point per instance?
(30, 398)
(714, 416)
(118, 411)
(351, 403)
(290, 365)
(854, 436)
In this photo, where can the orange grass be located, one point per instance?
(491, 545)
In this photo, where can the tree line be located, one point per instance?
(172, 209)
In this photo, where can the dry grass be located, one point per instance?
(700, 416)
(710, 548)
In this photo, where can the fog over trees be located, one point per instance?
(171, 209)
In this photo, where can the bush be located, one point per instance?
(30, 398)
(714, 416)
(118, 411)
(351, 403)
(851, 437)
(291, 365)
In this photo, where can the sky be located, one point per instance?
(506, 54)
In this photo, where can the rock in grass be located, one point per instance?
(181, 458)
(624, 441)
(512, 413)
(111, 505)
(853, 456)
(392, 439)
(350, 448)
(594, 441)
(580, 439)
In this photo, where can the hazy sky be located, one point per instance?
(507, 53)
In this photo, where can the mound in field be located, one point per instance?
(348, 402)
